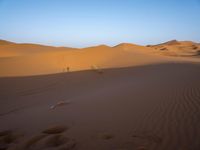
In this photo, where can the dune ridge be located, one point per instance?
(178, 48)
(33, 59)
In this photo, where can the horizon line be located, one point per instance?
(101, 44)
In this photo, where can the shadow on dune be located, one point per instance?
(151, 107)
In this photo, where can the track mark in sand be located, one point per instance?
(62, 103)
(38, 90)
(54, 140)
(7, 138)
(59, 104)
(13, 110)
(105, 136)
(55, 130)
(33, 140)
(59, 142)
(146, 139)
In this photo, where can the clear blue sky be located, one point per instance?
(81, 23)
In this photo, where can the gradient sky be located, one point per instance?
(80, 23)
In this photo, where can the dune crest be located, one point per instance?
(34, 59)
(178, 48)
(4, 42)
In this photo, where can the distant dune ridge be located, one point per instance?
(33, 59)
(178, 48)
(4, 42)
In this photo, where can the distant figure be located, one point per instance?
(67, 69)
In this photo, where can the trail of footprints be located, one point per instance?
(54, 139)
(49, 139)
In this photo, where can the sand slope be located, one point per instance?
(154, 107)
(32, 59)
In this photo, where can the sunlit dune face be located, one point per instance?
(176, 48)
(31, 59)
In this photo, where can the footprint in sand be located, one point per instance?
(8, 138)
(60, 142)
(55, 130)
(144, 139)
(105, 136)
(52, 138)
(47, 142)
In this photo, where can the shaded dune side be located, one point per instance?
(154, 106)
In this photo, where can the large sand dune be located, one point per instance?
(32, 59)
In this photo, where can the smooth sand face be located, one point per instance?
(153, 104)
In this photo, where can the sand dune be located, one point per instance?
(29, 59)
(4, 42)
(154, 107)
(32, 59)
(102, 98)
(178, 48)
